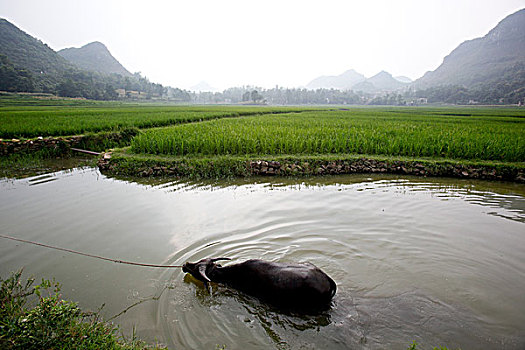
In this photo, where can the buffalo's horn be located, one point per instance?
(217, 259)
(202, 272)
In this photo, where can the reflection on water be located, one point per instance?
(510, 196)
(38, 180)
(438, 261)
(21, 166)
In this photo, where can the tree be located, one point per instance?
(14, 79)
(255, 96)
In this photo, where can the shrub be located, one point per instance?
(53, 323)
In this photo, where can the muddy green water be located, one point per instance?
(438, 261)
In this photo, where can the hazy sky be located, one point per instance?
(264, 43)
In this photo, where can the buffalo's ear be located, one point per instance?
(202, 272)
(217, 259)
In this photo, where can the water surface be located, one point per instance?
(438, 261)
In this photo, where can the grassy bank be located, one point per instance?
(35, 317)
(124, 162)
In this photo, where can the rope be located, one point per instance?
(86, 254)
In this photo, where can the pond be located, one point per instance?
(438, 261)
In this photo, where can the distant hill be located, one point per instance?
(203, 87)
(403, 79)
(29, 65)
(23, 52)
(382, 81)
(344, 81)
(490, 58)
(94, 57)
(352, 80)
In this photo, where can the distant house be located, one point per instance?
(121, 93)
(417, 102)
(132, 94)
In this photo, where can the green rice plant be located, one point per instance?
(489, 134)
(33, 121)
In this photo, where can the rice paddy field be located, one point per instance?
(473, 134)
(34, 121)
(256, 132)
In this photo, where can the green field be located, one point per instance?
(34, 121)
(474, 134)
(222, 140)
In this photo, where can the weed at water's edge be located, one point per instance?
(53, 323)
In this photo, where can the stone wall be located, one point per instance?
(56, 144)
(312, 167)
(364, 165)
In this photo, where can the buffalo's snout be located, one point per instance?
(188, 267)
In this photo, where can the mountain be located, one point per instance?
(483, 60)
(94, 57)
(352, 80)
(343, 81)
(382, 81)
(22, 52)
(29, 65)
(203, 87)
(403, 79)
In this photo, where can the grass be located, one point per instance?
(125, 163)
(44, 99)
(52, 323)
(492, 134)
(33, 121)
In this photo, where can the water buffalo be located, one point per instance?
(300, 286)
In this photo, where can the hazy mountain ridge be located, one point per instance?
(95, 57)
(484, 59)
(203, 86)
(344, 81)
(403, 79)
(352, 80)
(382, 81)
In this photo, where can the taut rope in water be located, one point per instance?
(86, 254)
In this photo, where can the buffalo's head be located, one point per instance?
(200, 269)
